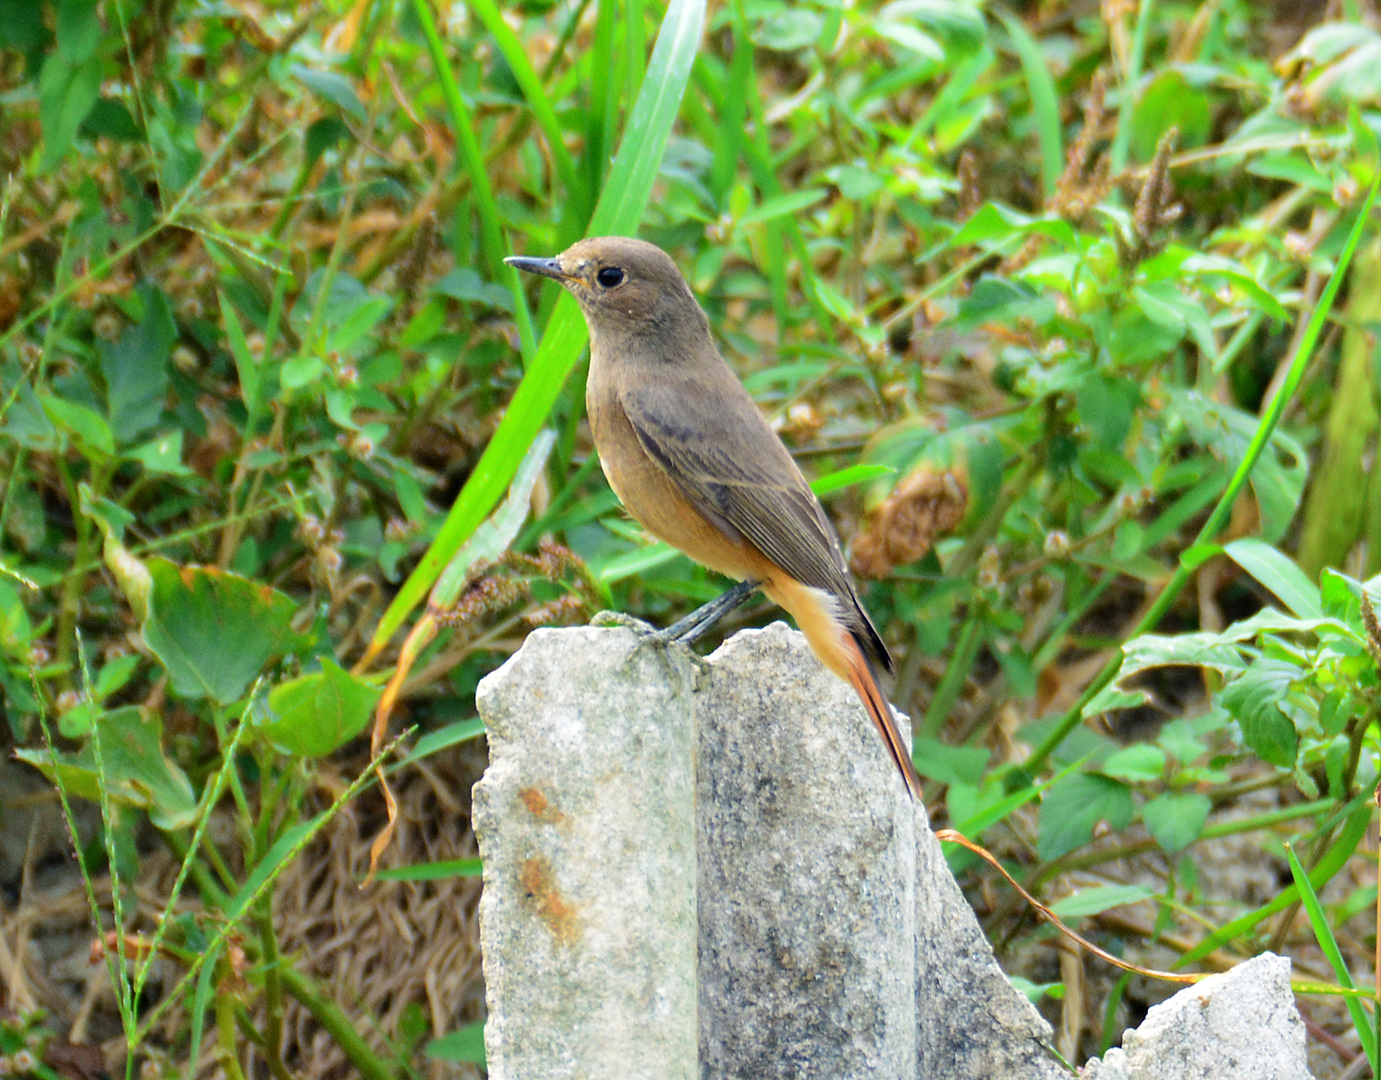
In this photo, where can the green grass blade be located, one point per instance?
(1353, 830)
(491, 231)
(732, 115)
(515, 55)
(1329, 944)
(634, 45)
(493, 537)
(1126, 97)
(599, 121)
(201, 1000)
(433, 871)
(1045, 108)
(620, 209)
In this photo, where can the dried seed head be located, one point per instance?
(925, 504)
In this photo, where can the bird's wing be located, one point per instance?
(759, 494)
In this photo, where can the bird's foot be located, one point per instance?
(618, 618)
(648, 635)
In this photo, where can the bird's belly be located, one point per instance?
(655, 501)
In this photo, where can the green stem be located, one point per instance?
(225, 1029)
(956, 673)
(339, 1026)
(273, 985)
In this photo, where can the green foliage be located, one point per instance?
(214, 632)
(264, 379)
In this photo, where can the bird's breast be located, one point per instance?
(652, 497)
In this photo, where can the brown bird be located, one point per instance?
(686, 449)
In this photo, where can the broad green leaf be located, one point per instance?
(856, 182)
(792, 29)
(463, 1044)
(78, 26)
(973, 809)
(1201, 649)
(354, 328)
(1073, 807)
(1211, 266)
(135, 368)
(1164, 304)
(162, 456)
(1253, 699)
(1179, 740)
(136, 770)
(960, 23)
(1113, 697)
(334, 88)
(1107, 405)
(214, 631)
(949, 764)
(1100, 898)
(788, 203)
(16, 631)
(1134, 764)
(1169, 100)
(464, 283)
(1176, 819)
(114, 675)
(86, 427)
(1280, 471)
(1278, 572)
(993, 222)
(67, 92)
(1274, 621)
(300, 371)
(318, 712)
(995, 299)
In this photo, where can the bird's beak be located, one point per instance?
(546, 267)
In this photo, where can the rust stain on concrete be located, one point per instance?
(540, 807)
(543, 896)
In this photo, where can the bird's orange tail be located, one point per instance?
(864, 681)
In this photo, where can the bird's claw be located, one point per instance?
(648, 635)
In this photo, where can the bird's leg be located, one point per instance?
(700, 621)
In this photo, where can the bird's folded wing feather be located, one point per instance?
(761, 495)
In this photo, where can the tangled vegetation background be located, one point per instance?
(1068, 308)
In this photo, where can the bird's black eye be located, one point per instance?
(609, 277)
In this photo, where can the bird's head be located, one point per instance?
(626, 288)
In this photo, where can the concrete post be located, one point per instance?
(711, 870)
(586, 823)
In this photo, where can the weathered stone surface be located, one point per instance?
(825, 938)
(1240, 1025)
(971, 1023)
(586, 823)
(807, 869)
